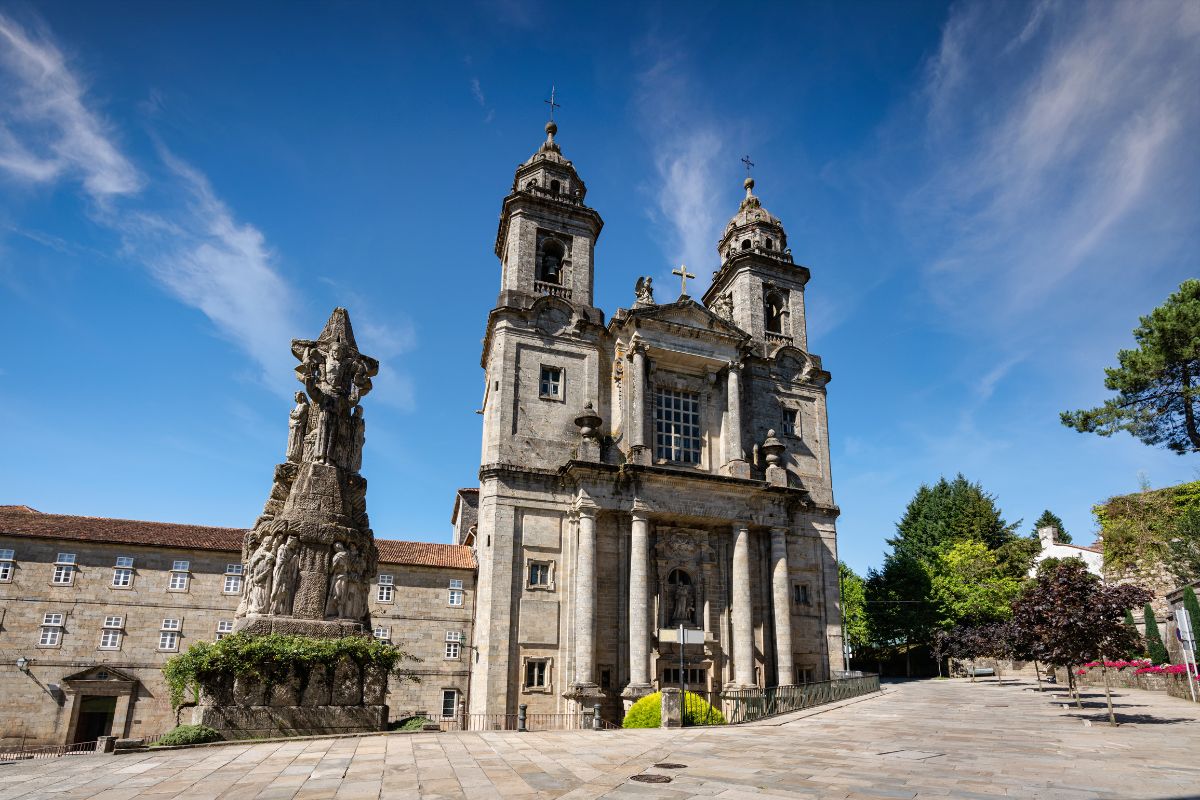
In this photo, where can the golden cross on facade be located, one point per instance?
(683, 278)
(553, 105)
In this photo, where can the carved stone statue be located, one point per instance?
(358, 438)
(283, 582)
(297, 427)
(722, 306)
(644, 289)
(682, 610)
(339, 583)
(262, 568)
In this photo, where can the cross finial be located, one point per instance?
(748, 164)
(683, 278)
(553, 105)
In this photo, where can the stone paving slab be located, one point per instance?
(925, 739)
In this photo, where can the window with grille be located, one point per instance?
(64, 570)
(677, 426)
(550, 384)
(536, 673)
(387, 589)
(52, 630)
(6, 566)
(168, 636)
(110, 633)
(224, 628)
(453, 644)
(695, 676)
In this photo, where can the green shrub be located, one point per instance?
(647, 712)
(188, 734)
(410, 724)
(1154, 642)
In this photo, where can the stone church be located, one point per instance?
(652, 481)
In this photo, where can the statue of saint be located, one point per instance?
(339, 579)
(358, 436)
(297, 426)
(682, 611)
(262, 568)
(283, 582)
(644, 290)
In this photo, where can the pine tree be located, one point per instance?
(1154, 642)
(1134, 636)
(1049, 519)
(1193, 608)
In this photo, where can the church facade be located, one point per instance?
(654, 481)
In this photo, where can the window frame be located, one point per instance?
(801, 595)
(678, 426)
(114, 626)
(454, 643)
(452, 695)
(385, 581)
(50, 633)
(552, 383)
(534, 564)
(224, 628)
(456, 585)
(8, 565)
(183, 576)
(233, 577)
(169, 634)
(534, 663)
(65, 565)
(792, 423)
(382, 633)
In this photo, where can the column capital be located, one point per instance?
(641, 510)
(584, 507)
(738, 525)
(780, 530)
(734, 366)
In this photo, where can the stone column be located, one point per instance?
(735, 460)
(639, 605)
(585, 604)
(781, 605)
(743, 630)
(637, 416)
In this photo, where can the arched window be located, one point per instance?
(770, 244)
(549, 266)
(554, 186)
(745, 244)
(773, 312)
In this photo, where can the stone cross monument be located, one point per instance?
(310, 556)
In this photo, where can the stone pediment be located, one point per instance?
(100, 673)
(688, 313)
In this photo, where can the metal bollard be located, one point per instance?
(596, 717)
(521, 713)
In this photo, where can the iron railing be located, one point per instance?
(22, 752)
(747, 705)
(533, 722)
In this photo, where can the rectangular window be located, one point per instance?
(180, 566)
(178, 582)
(386, 589)
(64, 570)
(696, 677)
(800, 594)
(110, 634)
(791, 422)
(453, 644)
(65, 558)
(124, 561)
(456, 597)
(224, 628)
(804, 674)
(6, 566)
(383, 634)
(539, 573)
(456, 584)
(550, 384)
(52, 629)
(168, 637)
(535, 673)
(233, 579)
(449, 703)
(677, 426)
(122, 578)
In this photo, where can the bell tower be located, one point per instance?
(547, 234)
(759, 287)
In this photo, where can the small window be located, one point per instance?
(745, 244)
(224, 628)
(168, 636)
(65, 558)
(791, 422)
(456, 584)
(605, 679)
(453, 644)
(800, 594)
(122, 578)
(64, 570)
(125, 561)
(6, 566)
(770, 244)
(539, 574)
(52, 630)
(536, 674)
(382, 634)
(804, 674)
(456, 597)
(178, 582)
(180, 566)
(110, 633)
(387, 589)
(233, 579)
(550, 383)
(554, 186)
(449, 703)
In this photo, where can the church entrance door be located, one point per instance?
(95, 718)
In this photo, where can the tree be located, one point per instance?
(1049, 519)
(1154, 642)
(1131, 626)
(1192, 607)
(949, 511)
(1157, 383)
(1071, 618)
(854, 608)
(1182, 556)
(898, 607)
(968, 586)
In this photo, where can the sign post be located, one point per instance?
(1187, 637)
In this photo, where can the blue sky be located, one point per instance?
(988, 196)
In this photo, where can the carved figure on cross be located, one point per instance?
(683, 278)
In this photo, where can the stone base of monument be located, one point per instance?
(292, 626)
(342, 698)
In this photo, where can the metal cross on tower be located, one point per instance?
(748, 164)
(683, 278)
(553, 105)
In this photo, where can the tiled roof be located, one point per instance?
(23, 521)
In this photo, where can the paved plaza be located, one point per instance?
(919, 739)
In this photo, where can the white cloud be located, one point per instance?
(46, 131)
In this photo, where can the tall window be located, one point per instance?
(110, 634)
(549, 266)
(6, 566)
(791, 422)
(449, 703)
(168, 635)
(773, 312)
(550, 383)
(123, 573)
(536, 673)
(456, 593)
(233, 579)
(64, 570)
(224, 628)
(52, 630)
(178, 582)
(677, 426)
(386, 590)
(453, 643)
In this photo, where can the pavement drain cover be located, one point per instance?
(651, 778)
(671, 766)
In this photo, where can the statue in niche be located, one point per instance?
(287, 569)
(683, 606)
(262, 569)
(297, 426)
(339, 582)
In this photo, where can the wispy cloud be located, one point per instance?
(687, 145)
(188, 240)
(1052, 133)
(481, 99)
(46, 130)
